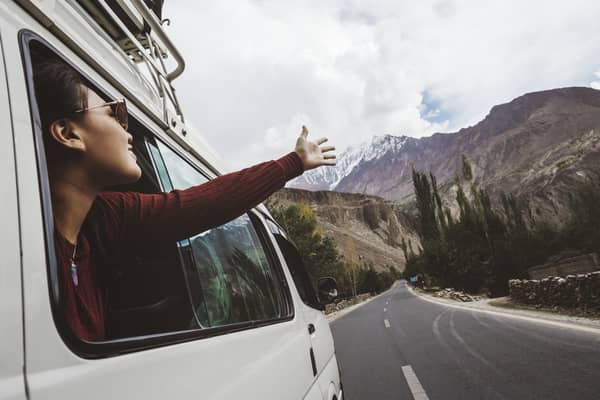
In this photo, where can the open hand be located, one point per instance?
(311, 153)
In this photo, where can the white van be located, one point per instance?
(182, 322)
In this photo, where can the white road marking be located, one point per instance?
(385, 309)
(339, 314)
(386, 323)
(413, 383)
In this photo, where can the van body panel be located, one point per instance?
(330, 384)
(34, 273)
(314, 394)
(12, 383)
(321, 338)
(260, 364)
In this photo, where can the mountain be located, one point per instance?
(369, 226)
(329, 178)
(539, 146)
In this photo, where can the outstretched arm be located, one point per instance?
(179, 214)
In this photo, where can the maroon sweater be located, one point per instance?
(131, 218)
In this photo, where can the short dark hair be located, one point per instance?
(59, 89)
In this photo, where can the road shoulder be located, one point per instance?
(565, 321)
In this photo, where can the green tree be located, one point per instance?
(319, 252)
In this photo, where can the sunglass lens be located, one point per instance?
(120, 112)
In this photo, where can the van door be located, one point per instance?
(225, 294)
(320, 336)
(317, 326)
(12, 384)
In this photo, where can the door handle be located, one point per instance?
(311, 329)
(313, 363)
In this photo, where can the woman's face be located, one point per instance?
(108, 154)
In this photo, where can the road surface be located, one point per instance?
(400, 346)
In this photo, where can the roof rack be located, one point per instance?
(131, 24)
(137, 30)
(139, 33)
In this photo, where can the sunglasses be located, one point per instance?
(119, 110)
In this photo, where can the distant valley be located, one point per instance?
(366, 229)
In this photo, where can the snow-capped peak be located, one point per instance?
(327, 178)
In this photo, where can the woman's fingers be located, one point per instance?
(312, 156)
(304, 131)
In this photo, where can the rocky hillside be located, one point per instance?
(361, 225)
(538, 146)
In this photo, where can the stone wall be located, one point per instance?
(580, 292)
(340, 305)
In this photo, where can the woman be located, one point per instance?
(89, 149)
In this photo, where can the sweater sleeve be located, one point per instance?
(179, 214)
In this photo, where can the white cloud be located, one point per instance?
(596, 84)
(351, 69)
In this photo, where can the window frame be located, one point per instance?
(274, 261)
(115, 347)
(281, 234)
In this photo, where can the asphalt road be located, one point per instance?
(459, 354)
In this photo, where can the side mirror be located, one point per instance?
(328, 291)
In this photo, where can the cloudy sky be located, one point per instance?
(351, 69)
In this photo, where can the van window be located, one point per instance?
(232, 280)
(300, 275)
(182, 175)
(225, 278)
(144, 293)
(302, 278)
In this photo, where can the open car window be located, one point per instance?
(144, 292)
(217, 282)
